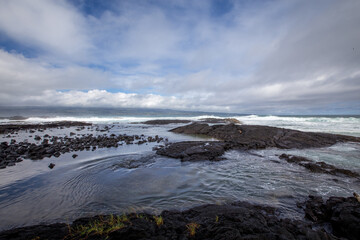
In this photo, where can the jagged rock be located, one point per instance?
(343, 214)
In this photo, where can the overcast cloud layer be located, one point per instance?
(291, 57)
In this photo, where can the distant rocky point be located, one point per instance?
(202, 120)
(10, 128)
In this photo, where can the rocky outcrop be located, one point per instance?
(342, 214)
(247, 137)
(318, 167)
(194, 151)
(257, 137)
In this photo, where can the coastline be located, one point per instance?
(228, 136)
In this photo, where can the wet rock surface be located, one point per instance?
(240, 220)
(11, 128)
(248, 137)
(55, 146)
(341, 214)
(195, 151)
(318, 167)
(257, 137)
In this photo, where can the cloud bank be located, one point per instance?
(291, 57)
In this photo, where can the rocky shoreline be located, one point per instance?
(335, 218)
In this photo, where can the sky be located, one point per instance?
(245, 56)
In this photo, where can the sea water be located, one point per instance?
(133, 178)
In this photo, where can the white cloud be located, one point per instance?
(20, 76)
(259, 56)
(50, 25)
(103, 98)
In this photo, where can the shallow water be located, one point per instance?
(147, 182)
(134, 178)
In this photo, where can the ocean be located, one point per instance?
(134, 178)
(337, 124)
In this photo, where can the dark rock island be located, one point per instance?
(245, 137)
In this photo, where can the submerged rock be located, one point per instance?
(318, 167)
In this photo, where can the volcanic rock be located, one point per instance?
(319, 167)
(239, 220)
(194, 151)
(343, 214)
(257, 137)
(8, 128)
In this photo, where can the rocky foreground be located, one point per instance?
(335, 218)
